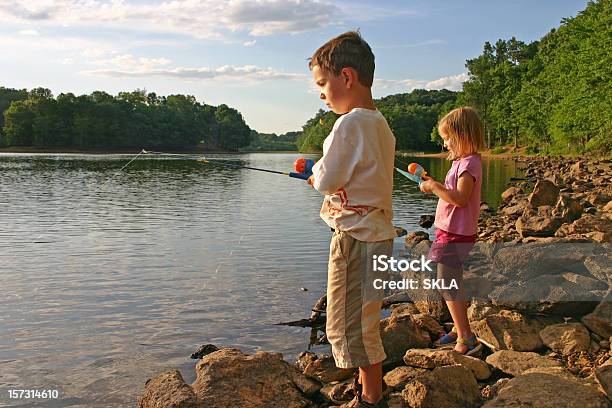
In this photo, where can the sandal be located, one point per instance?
(447, 339)
(473, 344)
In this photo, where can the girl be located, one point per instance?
(457, 217)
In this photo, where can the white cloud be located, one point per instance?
(205, 19)
(226, 72)
(452, 83)
(389, 86)
(33, 33)
(249, 43)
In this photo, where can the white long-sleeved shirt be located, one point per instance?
(356, 176)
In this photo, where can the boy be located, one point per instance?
(356, 176)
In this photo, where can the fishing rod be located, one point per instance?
(415, 172)
(302, 166)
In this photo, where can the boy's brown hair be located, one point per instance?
(346, 50)
(464, 129)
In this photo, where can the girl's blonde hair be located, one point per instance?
(464, 129)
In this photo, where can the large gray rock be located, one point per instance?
(508, 330)
(599, 267)
(550, 294)
(428, 358)
(587, 283)
(526, 261)
(449, 387)
(547, 388)
(516, 362)
(566, 338)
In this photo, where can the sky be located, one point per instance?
(252, 54)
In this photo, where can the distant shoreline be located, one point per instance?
(510, 153)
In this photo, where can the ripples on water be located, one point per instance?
(110, 278)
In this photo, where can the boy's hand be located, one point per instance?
(310, 181)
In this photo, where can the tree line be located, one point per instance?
(128, 120)
(552, 95)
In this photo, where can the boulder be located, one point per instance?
(399, 334)
(324, 369)
(525, 261)
(491, 391)
(537, 224)
(550, 294)
(305, 358)
(603, 375)
(400, 376)
(404, 309)
(516, 363)
(600, 320)
(599, 267)
(567, 208)
(415, 237)
(168, 390)
(478, 310)
(508, 330)
(449, 387)
(338, 392)
(230, 378)
(590, 225)
(428, 358)
(547, 388)
(510, 193)
(566, 338)
(544, 193)
(514, 210)
(429, 324)
(585, 282)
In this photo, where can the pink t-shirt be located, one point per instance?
(461, 220)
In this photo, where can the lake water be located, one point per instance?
(110, 277)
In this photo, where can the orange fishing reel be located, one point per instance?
(303, 168)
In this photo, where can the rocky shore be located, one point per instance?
(539, 278)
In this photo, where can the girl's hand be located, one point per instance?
(310, 181)
(427, 185)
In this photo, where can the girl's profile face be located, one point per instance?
(447, 142)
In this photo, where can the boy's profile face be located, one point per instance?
(333, 90)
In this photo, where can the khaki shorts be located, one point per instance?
(353, 305)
